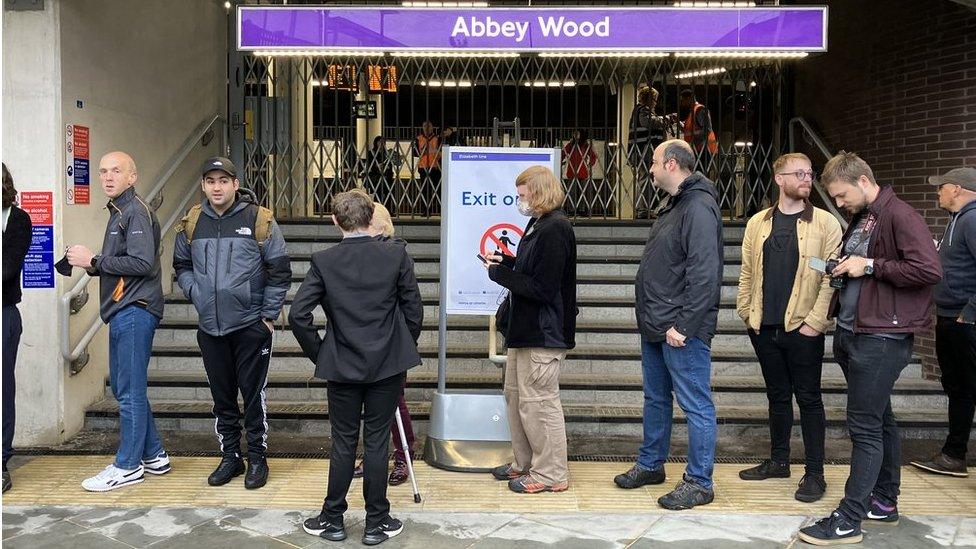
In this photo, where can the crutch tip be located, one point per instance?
(416, 498)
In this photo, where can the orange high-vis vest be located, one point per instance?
(428, 147)
(689, 132)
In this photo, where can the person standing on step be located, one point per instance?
(16, 242)
(230, 260)
(888, 270)
(678, 289)
(374, 316)
(784, 304)
(131, 292)
(955, 332)
(541, 280)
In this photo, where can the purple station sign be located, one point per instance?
(550, 28)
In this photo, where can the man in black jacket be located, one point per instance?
(678, 290)
(16, 241)
(374, 315)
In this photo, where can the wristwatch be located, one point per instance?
(94, 261)
(869, 268)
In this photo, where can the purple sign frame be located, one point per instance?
(548, 29)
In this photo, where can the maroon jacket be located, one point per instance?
(898, 297)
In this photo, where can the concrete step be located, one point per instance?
(731, 361)
(589, 419)
(909, 394)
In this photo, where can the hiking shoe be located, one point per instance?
(525, 484)
(358, 471)
(323, 527)
(257, 473)
(506, 472)
(879, 512)
(686, 494)
(158, 465)
(228, 468)
(766, 469)
(399, 474)
(811, 488)
(942, 464)
(7, 483)
(112, 477)
(385, 530)
(638, 476)
(833, 530)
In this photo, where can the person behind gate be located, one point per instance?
(784, 305)
(374, 316)
(230, 261)
(541, 321)
(131, 294)
(677, 297)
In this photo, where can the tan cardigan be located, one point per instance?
(819, 235)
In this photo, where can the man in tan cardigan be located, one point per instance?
(784, 303)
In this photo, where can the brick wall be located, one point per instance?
(898, 87)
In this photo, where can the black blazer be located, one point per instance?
(542, 285)
(373, 310)
(16, 242)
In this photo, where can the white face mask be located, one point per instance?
(524, 209)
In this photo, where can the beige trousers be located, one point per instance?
(535, 413)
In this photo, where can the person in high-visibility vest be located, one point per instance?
(427, 150)
(697, 128)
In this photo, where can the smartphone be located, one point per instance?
(482, 258)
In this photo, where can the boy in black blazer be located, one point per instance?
(371, 300)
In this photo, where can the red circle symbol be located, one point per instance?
(501, 242)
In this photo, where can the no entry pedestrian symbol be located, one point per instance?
(502, 238)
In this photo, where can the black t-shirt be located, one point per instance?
(781, 254)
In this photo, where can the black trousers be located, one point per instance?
(238, 362)
(871, 365)
(12, 328)
(955, 347)
(792, 365)
(376, 403)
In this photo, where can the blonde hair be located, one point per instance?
(847, 167)
(781, 162)
(545, 190)
(382, 220)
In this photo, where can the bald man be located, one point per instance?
(132, 305)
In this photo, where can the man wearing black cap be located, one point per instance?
(230, 261)
(955, 328)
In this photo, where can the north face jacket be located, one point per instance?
(232, 281)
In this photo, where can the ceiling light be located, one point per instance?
(604, 54)
(702, 72)
(743, 54)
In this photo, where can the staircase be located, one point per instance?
(601, 380)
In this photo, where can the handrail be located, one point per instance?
(493, 356)
(74, 299)
(819, 144)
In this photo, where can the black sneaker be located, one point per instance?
(321, 526)
(257, 473)
(811, 488)
(638, 476)
(507, 472)
(832, 530)
(879, 512)
(385, 530)
(766, 469)
(229, 468)
(686, 495)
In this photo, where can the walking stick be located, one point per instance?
(407, 451)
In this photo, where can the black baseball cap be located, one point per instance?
(219, 163)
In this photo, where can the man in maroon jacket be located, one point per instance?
(889, 268)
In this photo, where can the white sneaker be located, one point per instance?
(112, 477)
(159, 465)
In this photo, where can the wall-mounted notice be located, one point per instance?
(39, 262)
(76, 161)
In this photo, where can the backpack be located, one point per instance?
(262, 224)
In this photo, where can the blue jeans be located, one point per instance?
(687, 372)
(130, 338)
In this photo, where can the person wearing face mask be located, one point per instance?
(541, 321)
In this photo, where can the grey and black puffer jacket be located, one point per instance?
(232, 280)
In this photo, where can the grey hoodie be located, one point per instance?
(955, 295)
(231, 280)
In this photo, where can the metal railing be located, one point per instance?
(75, 299)
(813, 138)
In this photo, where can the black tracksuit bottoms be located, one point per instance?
(238, 362)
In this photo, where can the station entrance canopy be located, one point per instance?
(548, 29)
